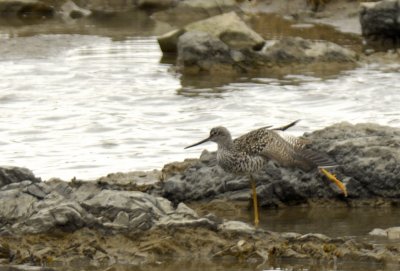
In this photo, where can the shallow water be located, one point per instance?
(87, 100)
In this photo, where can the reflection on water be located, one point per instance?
(118, 27)
(333, 222)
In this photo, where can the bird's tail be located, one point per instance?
(318, 159)
(287, 126)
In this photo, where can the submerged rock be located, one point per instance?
(367, 154)
(380, 22)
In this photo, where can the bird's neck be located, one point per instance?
(226, 145)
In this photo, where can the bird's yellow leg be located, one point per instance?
(255, 203)
(333, 178)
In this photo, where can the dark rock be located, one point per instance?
(33, 9)
(156, 4)
(367, 153)
(169, 41)
(380, 22)
(199, 51)
(15, 174)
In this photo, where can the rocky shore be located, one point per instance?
(119, 220)
(178, 214)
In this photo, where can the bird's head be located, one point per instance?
(219, 135)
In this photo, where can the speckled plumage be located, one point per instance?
(250, 152)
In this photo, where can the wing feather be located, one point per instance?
(287, 150)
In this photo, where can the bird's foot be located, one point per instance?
(333, 179)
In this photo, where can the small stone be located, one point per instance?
(393, 233)
(122, 219)
(378, 232)
(186, 211)
(236, 226)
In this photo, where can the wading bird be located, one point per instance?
(249, 153)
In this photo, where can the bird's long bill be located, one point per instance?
(198, 143)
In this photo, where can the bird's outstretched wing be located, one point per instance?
(293, 152)
(287, 150)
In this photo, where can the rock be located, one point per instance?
(184, 210)
(299, 50)
(367, 154)
(69, 10)
(69, 216)
(137, 180)
(169, 41)
(188, 11)
(15, 174)
(316, 237)
(378, 232)
(143, 209)
(217, 48)
(15, 205)
(22, 9)
(199, 51)
(393, 233)
(173, 168)
(38, 190)
(122, 219)
(380, 22)
(156, 4)
(175, 221)
(237, 227)
(230, 29)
